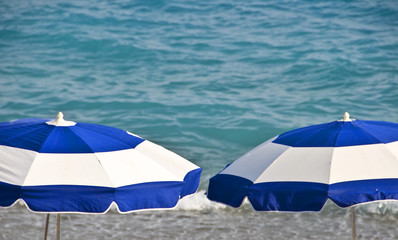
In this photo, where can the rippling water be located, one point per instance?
(209, 80)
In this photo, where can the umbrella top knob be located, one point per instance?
(60, 122)
(60, 115)
(346, 118)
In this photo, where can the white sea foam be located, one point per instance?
(198, 202)
(383, 208)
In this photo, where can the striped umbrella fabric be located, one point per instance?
(63, 166)
(348, 161)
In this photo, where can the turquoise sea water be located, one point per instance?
(209, 80)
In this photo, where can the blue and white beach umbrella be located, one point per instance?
(63, 166)
(348, 161)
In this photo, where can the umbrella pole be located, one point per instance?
(46, 228)
(58, 226)
(354, 233)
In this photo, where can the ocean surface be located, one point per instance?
(209, 80)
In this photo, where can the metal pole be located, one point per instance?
(46, 228)
(58, 226)
(354, 233)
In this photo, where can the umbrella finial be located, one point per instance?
(60, 117)
(60, 121)
(346, 118)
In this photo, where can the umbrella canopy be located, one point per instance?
(63, 166)
(348, 161)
